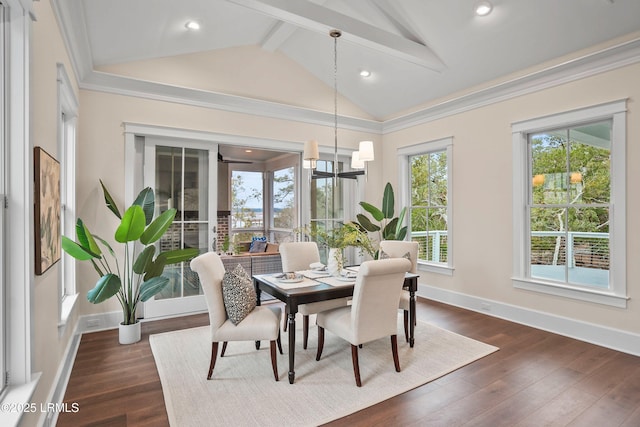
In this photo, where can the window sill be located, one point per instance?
(68, 303)
(566, 291)
(435, 268)
(18, 397)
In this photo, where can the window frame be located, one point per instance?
(404, 171)
(67, 124)
(616, 295)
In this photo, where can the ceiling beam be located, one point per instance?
(321, 19)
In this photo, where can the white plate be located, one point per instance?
(295, 279)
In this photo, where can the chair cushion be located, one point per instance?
(238, 294)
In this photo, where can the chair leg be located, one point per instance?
(406, 325)
(279, 342)
(224, 348)
(285, 322)
(305, 331)
(356, 365)
(320, 342)
(274, 362)
(214, 354)
(394, 350)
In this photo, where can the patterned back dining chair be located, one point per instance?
(402, 249)
(298, 256)
(259, 323)
(373, 313)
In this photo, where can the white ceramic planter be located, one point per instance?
(129, 334)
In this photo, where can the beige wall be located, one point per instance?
(482, 202)
(48, 348)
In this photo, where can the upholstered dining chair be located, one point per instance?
(402, 249)
(262, 323)
(373, 313)
(298, 256)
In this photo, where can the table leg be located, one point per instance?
(412, 315)
(292, 345)
(258, 292)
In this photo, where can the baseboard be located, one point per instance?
(604, 336)
(99, 322)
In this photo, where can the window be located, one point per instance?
(426, 190)
(327, 201)
(67, 115)
(247, 205)
(283, 205)
(569, 239)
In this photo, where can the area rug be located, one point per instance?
(243, 392)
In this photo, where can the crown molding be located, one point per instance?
(605, 60)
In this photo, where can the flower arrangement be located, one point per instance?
(341, 237)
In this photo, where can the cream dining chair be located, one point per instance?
(298, 256)
(262, 323)
(373, 313)
(402, 249)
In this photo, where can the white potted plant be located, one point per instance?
(137, 276)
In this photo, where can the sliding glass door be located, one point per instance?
(183, 175)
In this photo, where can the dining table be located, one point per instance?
(312, 286)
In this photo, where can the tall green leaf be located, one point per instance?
(152, 286)
(375, 212)
(146, 200)
(158, 227)
(145, 257)
(400, 222)
(75, 250)
(178, 255)
(388, 201)
(111, 204)
(132, 225)
(106, 287)
(366, 223)
(389, 232)
(85, 238)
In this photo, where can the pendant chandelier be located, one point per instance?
(311, 153)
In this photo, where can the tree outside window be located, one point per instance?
(570, 204)
(428, 209)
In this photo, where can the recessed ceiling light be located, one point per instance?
(483, 8)
(192, 25)
(365, 73)
(248, 151)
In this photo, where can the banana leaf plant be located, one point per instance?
(383, 222)
(138, 275)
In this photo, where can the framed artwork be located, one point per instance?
(47, 210)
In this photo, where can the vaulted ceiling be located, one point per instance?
(418, 51)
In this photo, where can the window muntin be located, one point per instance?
(428, 208)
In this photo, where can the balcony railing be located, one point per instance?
(583, 249)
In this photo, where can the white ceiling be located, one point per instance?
(417, 50)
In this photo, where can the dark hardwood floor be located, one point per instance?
(537, 378)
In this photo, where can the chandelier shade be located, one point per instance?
(366, 151)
